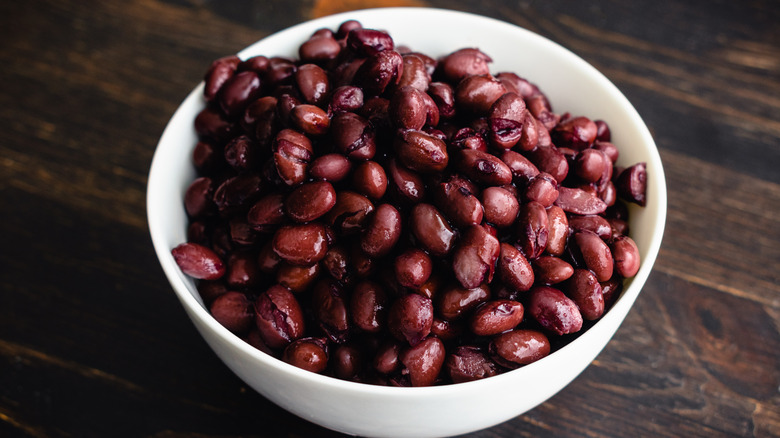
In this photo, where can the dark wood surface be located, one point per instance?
(93, 342)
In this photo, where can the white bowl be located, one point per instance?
(359, 409)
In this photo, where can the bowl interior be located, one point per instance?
(572, 86)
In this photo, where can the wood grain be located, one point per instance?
(93, 343)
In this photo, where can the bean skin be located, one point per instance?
(476, 94)
(455, 300)
(310, 201)
(465, 62)
(421, 152)
(370, 179)
(382, 231)
(431, 230)
(367, 42)
(407, 185)
(595, 253)
(218, 73)
(519, 347)
(330, 167)
(301, 245)
(483, 168)
(234, 311)
(423, 361)
(413, 268)
(474, 260)
(532, 231)
(577, 133)
(330, 305)
(553, 310)
(631, 184)
(578, 201)
(410, 318)
(198, 261)
(279, 317)
(551, 270)
(585, 290)
(267, 213)
(297, 278)
(594, 223)
(309, 354)
(468, 363)
(626, 256)
(496, 316)
(513, 269)
(558, 230)
(501, 207)
(313, 83)
(350, 213)
(368, 307)
(458, 203)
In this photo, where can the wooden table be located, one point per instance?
(93, 342)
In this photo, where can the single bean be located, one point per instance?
(447, 330)
(330, 167)
(420, 152)
(443, 96)
(579, 201)
(474, 259)
(431, 230)
(319, 49)
(206, 159)
(368, 42)
(217, 74)
(592, 165)
(337, 264)
(280, 72)
(532, 229)
(519, 347)
(501, 207)
(310, 201)
(382, 231)
(386, 360)
(297, 278)
(458, 203)
(517, 85)
(301, 245)
(292, 155)
(608, 193)
(602, 131)
(353, 136)
(513, 269)
(234, 311)
(267, 213)
(595, 223)
(237, 92)
(242, 271)
(350, 213)
(455, 300)
(370, 179)
(467, 363)
(209, 290)
(346, 98)
(379, 71)
(551, 269)
(368, 307)
(242, 154)
(347, 362)
(608, 148)
(241, 232)
(553, 310)
(329, 302)
(408, 186)
(483, 167)
(626, 255)
(464, 62)
(408, 109)
(550, 160)
(198, 261)
(279, 317)
(410, 318)
(595, 253)
(577, 133)
(238, 193)
(415, 73)
(496, 316)
(313, 83)
(521, 167)
(585, 290)
(267, 260)
(413, 267)
(199, 198)
(310, 354)
(423, 361)
(476, 94)
(310, 119)
(542, 188)
(611, 290)
(631, 184)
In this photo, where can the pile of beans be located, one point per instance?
(374, 214)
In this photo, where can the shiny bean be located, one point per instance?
(386, 360)
(379, 71)
(602, 131)
(455, 300)
(592, 165)
(218, 73)
(464, 62)
(517, 85)
(408, 108)
(297, 278)
(198, 198)
(551, 270)
(431, 230)
(267, 213)
(234, 311)
(346, 98)
(242, 271)
(513, 269)
(410, 318)
(370, 179)
(309, 201)
(292, 156)
(631, 184)
(353, 136)
(310, 119)
(336, 263)
(611, 290)
(496, 316)
(529, 133)
(447, 330)
(553, 310)
(501, 207)
(595, 223)
(242, 153)
(301, 245)
(312, 81)
(458, 203)
(443, 96)
(319, 49)
(506, 121)
(542, 188)
(414, 73)
(608, 148)
(238, 193)
(579, 201)
(347, 362)
(421, 152)
(237, 92)
(521, 167)
(198, 261)
(407, 185)
(467, 363)
(477, 94)
(483, 167)
(382, 231)
(280, 71)
(350, 213)
(585, 290)
(540, 108)
(519, 347)
(310, 354)
(329, 301)
(413, 267)
(423, 361)
(595, 253)
(368, 307)
(577, 133)
(550, 160)
(330, 167)
(368, 42)
(626, 255)
(532, 229)
(279, 317)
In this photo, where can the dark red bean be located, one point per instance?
(198, 261)
(382, 231)
(631, 184)
(550, 160)
(309, 354)
(519, 347)
(347, 362)
(368, 42)
(443, 96)
(551, 270)
(242, 271)
(242, 153)
(415, 73)
(353, 136)
(611, 290)
(267, 260)
(595, 253)
(319, 49)
(279, 317)
(297, 278)
(467, 363)
(626, 255)
(211, 125)
(206, 158)
(301, 245)
(313, 83)
(577, 133)
(407, 185)
(258, 64)
(457, 201)
(496, 316)
(602, 131)
(447, 330)
(237, 92)
(329, 302)
(501, 207)
(464, 62)
(330, 167)
(413, 267)
(379, 71)
(532, 229)
(350, 214)
(516, 84)
(423, 361)
(310, 119)
(476, 94)
(455, 300)
(310, 201)
(346, 98)
(198, 198)
(267, 213)
(292, 156)
(234, 311)
(521, 167)
(386, 360)
(595, 223)
(584, 289)
(368, 307)
(421, 152)
(542, 188)
(474, 259)
(579, 201)
(209, 290)
(336, 263)
(513, 269)
(483, 167)
(410, 318)
(370, 179)
(592, 165)
(553, 310)
(218, 73)
(431, 230)
(238, 193)
(408, 108)
(608, 148)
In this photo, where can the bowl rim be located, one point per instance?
(195, 308)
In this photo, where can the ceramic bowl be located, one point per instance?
(360, 409)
